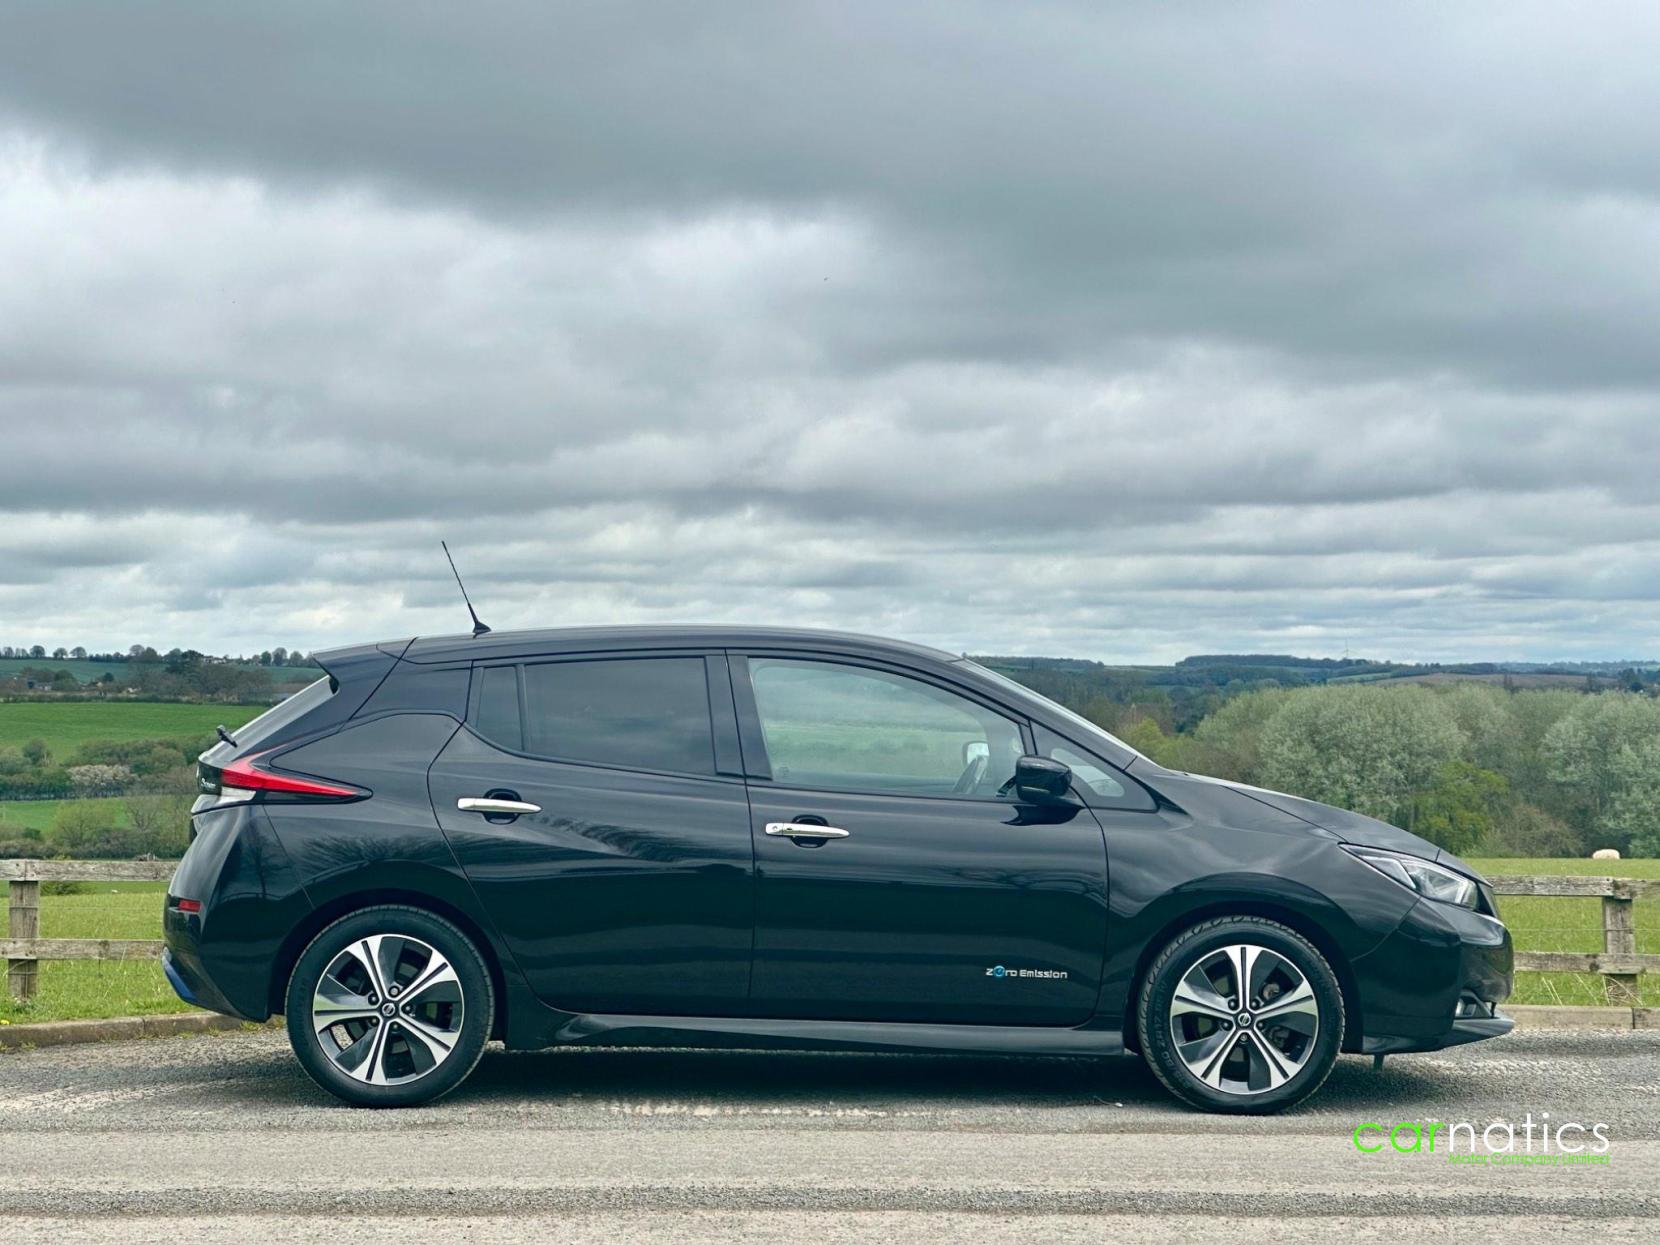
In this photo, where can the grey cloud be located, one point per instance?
(1108, 330)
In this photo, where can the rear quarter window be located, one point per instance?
(634, 713)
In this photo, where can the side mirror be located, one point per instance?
(1039, 780)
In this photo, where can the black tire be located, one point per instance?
(1251, 1059)
(414, 942)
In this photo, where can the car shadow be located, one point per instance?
(771, 1080)
(722, 1082)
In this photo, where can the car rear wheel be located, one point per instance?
(389, 1007)
(1241, 1015)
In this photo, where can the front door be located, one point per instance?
(893, 881)
(625, 885)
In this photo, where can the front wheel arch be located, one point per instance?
(1353, 1029)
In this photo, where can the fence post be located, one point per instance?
(23, 921)
(1619, 937)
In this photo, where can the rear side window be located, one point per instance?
(636, 713)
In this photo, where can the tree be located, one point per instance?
(38, 651)
(1231, 738)
(1584, 752)
(279, 656)
(1373, 750)
(59, 653)
(35, 752)
(1632, 818)
(1458, 811)
(78, 653)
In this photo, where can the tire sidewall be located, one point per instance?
(477, 993)
(1180, 956)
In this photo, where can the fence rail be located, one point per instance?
(1618, 963)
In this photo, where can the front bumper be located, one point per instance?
(1436, 981)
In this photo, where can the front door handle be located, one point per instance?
(490, 804)
(804, 830)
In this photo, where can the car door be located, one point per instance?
(625, 883)
(894, 881)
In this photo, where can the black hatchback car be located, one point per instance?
(777, 838)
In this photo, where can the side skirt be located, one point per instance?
(738, 1033)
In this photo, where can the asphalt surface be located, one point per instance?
(222, 1138)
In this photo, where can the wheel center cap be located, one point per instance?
(1244, 1019)
(388, 1009)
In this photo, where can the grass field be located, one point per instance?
(66, 726)
(133, 910)
(39, 814)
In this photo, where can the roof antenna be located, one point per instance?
(478, 627)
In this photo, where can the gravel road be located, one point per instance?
(221, 1138)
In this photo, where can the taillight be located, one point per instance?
(188, 905)
(247, 774)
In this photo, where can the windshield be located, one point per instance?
(1088, 729)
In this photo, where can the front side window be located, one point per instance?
(856, 729)
(635, 713)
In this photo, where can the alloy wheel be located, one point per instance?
(1244, 1019)
(388, 1009)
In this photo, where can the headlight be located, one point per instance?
(1414, 872)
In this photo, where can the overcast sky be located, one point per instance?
(1112, 331)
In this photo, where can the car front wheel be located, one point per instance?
(390, 1006)
(1242, 1015)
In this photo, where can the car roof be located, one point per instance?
(507, 644)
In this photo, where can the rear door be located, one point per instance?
(894, 882)
(625, 884)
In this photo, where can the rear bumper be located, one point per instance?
(184, 973)
(1436, 981)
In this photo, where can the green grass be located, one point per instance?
(76, 989)
(65, 726)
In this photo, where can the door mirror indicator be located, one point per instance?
(1039, 780)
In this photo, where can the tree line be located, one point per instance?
(1472, 767)
(145, 653)
(179, 674)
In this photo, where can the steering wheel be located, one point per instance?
(974, 773)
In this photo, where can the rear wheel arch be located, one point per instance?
(320, 918)
(1285, 915)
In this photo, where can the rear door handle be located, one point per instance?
(489, 804)
(804, 830)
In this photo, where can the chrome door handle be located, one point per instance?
(484, 804)
(804, 830)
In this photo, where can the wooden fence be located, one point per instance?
(24, 948)
(1617, 963)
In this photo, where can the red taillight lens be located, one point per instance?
(188, 905)
(247, 775)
